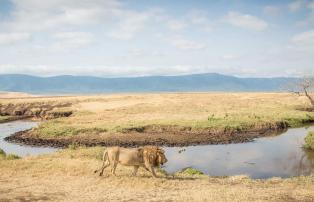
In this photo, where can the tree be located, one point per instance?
(305, 87)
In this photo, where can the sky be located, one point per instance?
(113, 38)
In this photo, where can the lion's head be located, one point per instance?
(155, 155)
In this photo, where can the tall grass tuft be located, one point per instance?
(309, 141)
(4, 156)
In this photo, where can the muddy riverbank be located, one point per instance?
(151, 136)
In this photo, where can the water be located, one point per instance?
(7, 129)
(280, 156)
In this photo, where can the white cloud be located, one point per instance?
(304, 40)
(271, 10)
(176, 25)
(144, 53)
(309, 19)
(38, 15)
(13, 38)
(185, 44)
(230, 57)
(131, 23)
(245, 21)
(311, 5)
(69, 40)
(100, 70)
(199, 18)
(296, 5)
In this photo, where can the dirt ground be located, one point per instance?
(68, 176)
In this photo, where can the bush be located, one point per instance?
(309, 141)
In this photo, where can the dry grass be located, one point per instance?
(68, 176)
(197, 110)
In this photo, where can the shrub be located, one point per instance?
(309, 141)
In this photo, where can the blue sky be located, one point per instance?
(115, 38)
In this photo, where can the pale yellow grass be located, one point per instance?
(196, 110)
(68, 176)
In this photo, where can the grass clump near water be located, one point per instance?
(4, 156)
(191, 171)
(4, 118)
(309, 141)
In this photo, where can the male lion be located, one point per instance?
(147, 157)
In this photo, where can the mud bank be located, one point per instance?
(153, 135)
(35, 110)
(14, 118)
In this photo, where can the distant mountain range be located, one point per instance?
(187, 83)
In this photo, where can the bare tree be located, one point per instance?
(305, 87)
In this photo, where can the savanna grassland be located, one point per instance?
(165, 119)
(68, 176)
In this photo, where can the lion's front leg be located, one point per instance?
(150, 168)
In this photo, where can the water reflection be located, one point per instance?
(7, 129)
(281, 155)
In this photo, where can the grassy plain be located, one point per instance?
(210, 111)
(68, 175)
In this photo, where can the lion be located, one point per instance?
(147, 157)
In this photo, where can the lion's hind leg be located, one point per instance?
(135, 169)
(105, 164)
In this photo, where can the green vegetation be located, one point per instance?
(191, 171)
(309, 141)
(2, 153)
(54, 129)
(4, 118)
(4, 156)
(161, 171)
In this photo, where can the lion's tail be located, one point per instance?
(104, 159)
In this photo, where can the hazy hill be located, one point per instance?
(90, 84)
